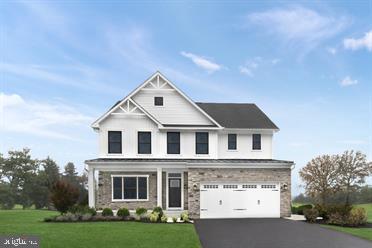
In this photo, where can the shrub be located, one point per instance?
(311, 214)
(107, 212)
(300, 209)
(174, 219)
(80, 209)
(294, 210)
(86, 217)
(141, 211)
(123, 212)
(357, 217)
(63, 196)
(164, 219)
(336, 210)
(158, 210)
(185, 217)
(154, 217)
(354, 217)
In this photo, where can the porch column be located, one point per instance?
(159, 186)
(91, 188)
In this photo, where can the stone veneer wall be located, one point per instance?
(205, 175)
(104, 192)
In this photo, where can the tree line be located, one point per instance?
(29, 182)
(340, 178)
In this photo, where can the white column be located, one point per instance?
(91, 188)
(159, 186)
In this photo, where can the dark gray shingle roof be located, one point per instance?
(238, 115)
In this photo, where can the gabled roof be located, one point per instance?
(238, 115)
(129, 97)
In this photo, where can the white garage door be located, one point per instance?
(249, 200)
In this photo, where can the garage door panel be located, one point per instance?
(240, 200)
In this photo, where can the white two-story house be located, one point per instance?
(157, 147)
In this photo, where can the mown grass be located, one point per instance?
(96, 234)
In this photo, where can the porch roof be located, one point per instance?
(189, 161)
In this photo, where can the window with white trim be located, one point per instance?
(130, 188)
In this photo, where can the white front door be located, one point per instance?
(241, 200)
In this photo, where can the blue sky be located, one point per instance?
(307, 65)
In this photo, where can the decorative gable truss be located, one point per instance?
(128, 106)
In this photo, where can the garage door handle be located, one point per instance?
(240, 209)
(203, 209)
(239, 190)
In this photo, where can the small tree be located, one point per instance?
(64, 195)
(321, 177)
(353, 169)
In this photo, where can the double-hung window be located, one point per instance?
(173, 142)
(130, 188)
(202, 140)
(114, 141)
(256, 141)
(144, 142)
(231, 140)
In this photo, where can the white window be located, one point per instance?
(130, 188)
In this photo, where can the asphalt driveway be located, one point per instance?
(272, 233)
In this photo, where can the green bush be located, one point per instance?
(123, 212)
(164, 219)
(311, 214)
(357, 217)
(185, 217)
(141, 211)
(300, 209)
(174, 219)
(158, 210)
(107, 212)
(154, 217)
(294, 210)
(80, 209)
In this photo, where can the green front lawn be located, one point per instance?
(96, 234)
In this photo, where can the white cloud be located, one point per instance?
(252, 65)
(245, 70)
(39, 118)
(348, 81)
(332, 50)
(202, 62)
(364, 42)
(300, 26)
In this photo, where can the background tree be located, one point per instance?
(51, 171)
(70, 174)
(16, 169)
(353, 169)
(320, 176)
(64, 195)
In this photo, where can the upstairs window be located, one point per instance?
(144, 142)
(201, 142)
(231, 141)
(173, 143)
(158, 101)
(114, 141)
(256, 141)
